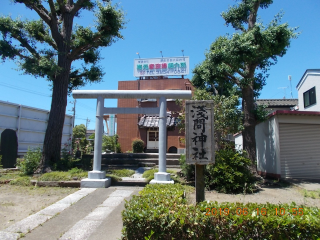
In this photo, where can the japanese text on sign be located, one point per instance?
(161, 66)
(199, 132)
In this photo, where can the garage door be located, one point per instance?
(300, 150)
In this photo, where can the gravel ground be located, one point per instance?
(18, 202)
(294, 193)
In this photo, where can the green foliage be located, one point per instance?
(114, 178)
(64, 176)
(9, 175)
(123, 172)
(149, 174)
(30, 162)
(83, 42)
(111, 143)
(243, 59)
(48, 47)
(76, 171)
(261, 113)
(230, 173)
(0, 161)
(67, 161)
(79, 131)
(163, 211)
(21, 181)
(188, 170)
(137, 146)
(227, 114)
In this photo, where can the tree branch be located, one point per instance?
(76, 7)
(54, 24)
(215, 90)
(41, 10)
(62, 6)
(237, 71)
(233, 78)
(44, 14)
(81, 49)
(25, 44)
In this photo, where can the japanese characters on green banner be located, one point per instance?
(170, 66)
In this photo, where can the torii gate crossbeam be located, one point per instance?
(96, 177)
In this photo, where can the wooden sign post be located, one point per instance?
(199, 140)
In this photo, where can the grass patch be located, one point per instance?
(10, 175)
(149, 175)
(21, 181)
(114, 178)
(311, 194)
(64, 176)
(122, 172)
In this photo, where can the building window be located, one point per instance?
(309, 97)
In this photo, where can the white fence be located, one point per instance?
(30, 125)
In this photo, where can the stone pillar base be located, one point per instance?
(161, 182)
(162, 177)
(97, 174)
(95, 183)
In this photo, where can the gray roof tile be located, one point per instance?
(277, 102)
(153, 121)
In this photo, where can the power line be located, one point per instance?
(24, 89)
(85, 106)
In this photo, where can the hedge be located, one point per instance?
(162, 212)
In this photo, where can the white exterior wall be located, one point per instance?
(238, 141)
(30, 125)
(310, 79)
(268, 147)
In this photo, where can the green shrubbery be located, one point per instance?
(163, 210)
(137, 146)
(230, 173)
(188, 170)
(29, 163)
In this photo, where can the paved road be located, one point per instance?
(93, 214)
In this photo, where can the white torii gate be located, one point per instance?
(96, 177)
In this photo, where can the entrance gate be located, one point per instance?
(96, 177)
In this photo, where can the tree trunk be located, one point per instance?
(248, 134)
(52, 142)
(218, 135)
(51, 151)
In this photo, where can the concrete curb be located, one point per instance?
(76, 184)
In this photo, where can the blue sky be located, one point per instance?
(170, 26)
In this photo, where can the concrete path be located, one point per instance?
(93, 214)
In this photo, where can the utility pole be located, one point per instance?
(87, 122)
(74, 112)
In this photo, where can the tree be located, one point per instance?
(227, 115)
(244, 58)
(109, 143)
(49, 46)
(79, 131)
